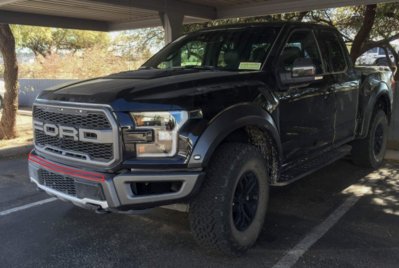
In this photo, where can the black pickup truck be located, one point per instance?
(212, 121)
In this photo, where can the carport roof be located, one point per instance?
(109, 15)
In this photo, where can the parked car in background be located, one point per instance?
(374, 56)
(2, 92)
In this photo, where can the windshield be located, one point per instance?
(224, 49)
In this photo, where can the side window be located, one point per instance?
(228, 56)
(191, 54)
(332, 52)
(249, 55)
(300, 45)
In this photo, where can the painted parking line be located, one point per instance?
(318, 232)
(355, 191)
(27, 206)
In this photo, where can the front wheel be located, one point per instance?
(228, 214)
(370, 151)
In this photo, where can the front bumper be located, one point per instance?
(110, 192)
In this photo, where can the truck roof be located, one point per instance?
(267, 24)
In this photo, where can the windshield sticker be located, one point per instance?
(250, 66)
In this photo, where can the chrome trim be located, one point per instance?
(83, 106)
(127, 197)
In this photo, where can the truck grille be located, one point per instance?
(92, 120)
(96, 151)
(99, 152)
(57, 182)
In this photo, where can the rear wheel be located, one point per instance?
(228, 214)
(370, 151)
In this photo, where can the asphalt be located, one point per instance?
(57, 234)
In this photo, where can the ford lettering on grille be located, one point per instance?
(86, 135)
(64, 132)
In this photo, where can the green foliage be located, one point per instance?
(138, 44)
(387, 21)
(38, 39)
(348, 20)
(296, 16)
(91, 62)
(65, 53)
(44, 41)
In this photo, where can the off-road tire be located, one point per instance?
(364, 151)
(211, 211)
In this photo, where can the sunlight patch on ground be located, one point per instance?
(383, 186)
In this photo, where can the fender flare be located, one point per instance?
(226, 122)
(381, 91)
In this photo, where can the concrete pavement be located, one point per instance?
(57, 234)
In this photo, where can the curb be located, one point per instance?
(26, 113)
(15, 151)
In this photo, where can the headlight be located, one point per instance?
(158, 132)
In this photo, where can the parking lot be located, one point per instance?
(341, 216)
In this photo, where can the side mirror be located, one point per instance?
(303, 68)
(302, 71)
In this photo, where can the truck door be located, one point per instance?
(306, 110)
(344, 84)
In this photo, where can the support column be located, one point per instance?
(172, 23)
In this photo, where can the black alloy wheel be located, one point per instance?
(245, 202)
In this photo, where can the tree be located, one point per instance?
(37, 39)
(45, 41)
(7, 48)
(73, 40)
(139, 43)
(365, 27)
(364, 32)
(295, 16)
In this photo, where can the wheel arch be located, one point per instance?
(378, 99)
(243, 119)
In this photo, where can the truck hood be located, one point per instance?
(147, 89)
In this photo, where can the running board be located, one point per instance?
(306, 167)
